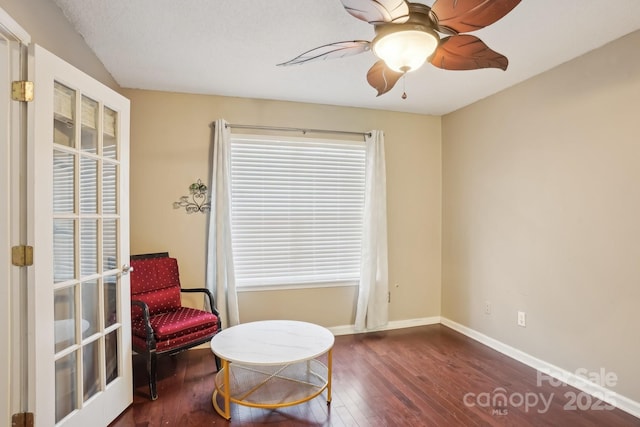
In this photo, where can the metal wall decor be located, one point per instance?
(197, 201)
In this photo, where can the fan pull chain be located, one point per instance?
(404, 86)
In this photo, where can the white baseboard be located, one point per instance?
(395, 324)
(596, 390)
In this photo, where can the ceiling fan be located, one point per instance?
(408, 34)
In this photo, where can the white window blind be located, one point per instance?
(296, 210)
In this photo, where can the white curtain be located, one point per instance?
(220, 273)
(373, 308)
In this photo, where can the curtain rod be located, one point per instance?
(290, 129)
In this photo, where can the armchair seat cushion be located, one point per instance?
(171, 344)
(171, 324)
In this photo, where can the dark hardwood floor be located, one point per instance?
(422, 376)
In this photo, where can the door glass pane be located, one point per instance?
(109, 244)
(90, 308)
(110, 300)
(64, 318)
(66, 371)
(88, 247)
(88, 185)
(111, 355)
(109, 137)
(64, 116)
(63, 182)
(109, 180)
(90, 367)
(89, 141)
(63, 249)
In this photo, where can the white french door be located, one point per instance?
(78, 224)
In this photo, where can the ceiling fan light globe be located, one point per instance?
(405, 49)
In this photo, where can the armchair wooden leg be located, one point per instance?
(217, 363)
(151, 368)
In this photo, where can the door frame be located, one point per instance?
(13, 231)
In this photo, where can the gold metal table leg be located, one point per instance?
(227, 390)
(226, 393)
(329, 368)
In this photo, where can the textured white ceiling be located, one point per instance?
(230, 48)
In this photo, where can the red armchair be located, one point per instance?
(160, 324)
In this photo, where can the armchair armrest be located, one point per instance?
(214, 310)
(151, 340)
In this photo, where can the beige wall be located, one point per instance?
(48, 27)
(170, 142)
(541, 213)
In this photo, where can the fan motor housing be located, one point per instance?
(420, 13)
(420, 19)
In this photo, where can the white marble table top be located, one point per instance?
(272, 342)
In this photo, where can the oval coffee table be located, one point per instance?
(271, 364)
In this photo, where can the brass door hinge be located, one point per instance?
(24, 419)
(22, 90)
(22, 256)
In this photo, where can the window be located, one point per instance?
(296, 210)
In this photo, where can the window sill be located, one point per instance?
(259, 288)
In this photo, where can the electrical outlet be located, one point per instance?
(487, 307)
(522, 319)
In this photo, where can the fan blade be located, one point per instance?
(382, 78)
(463, 16)
(466, 52)
(378, 11)
(330, 51)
